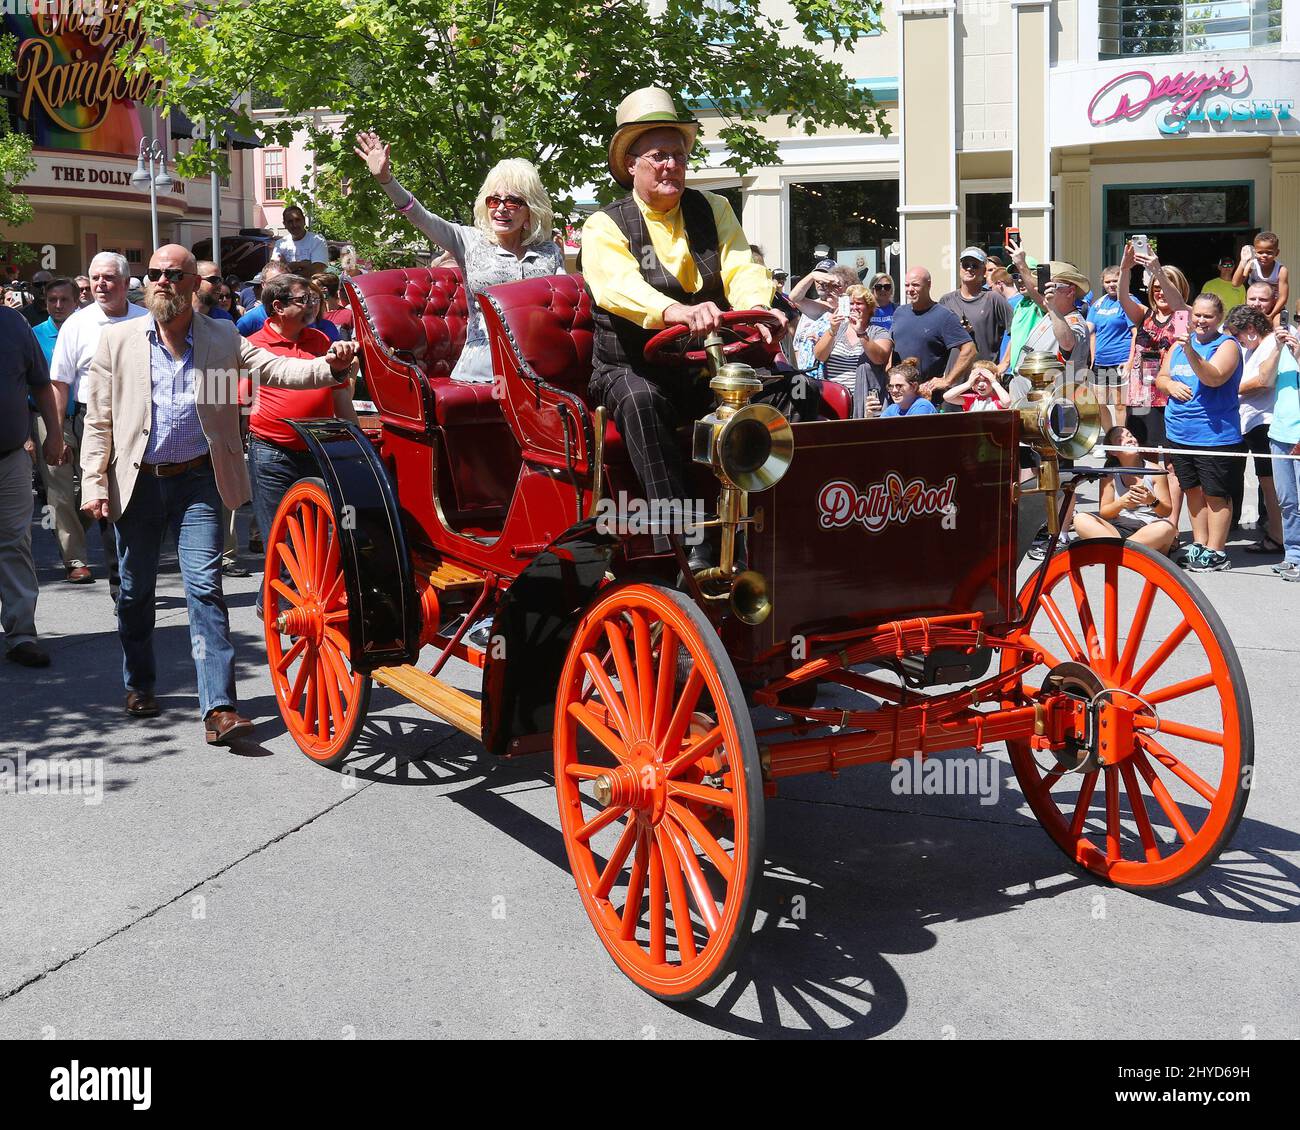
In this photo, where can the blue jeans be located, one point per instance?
(190, 507)
(273, 470)
(1286, 478)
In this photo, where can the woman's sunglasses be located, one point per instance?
(509, 203)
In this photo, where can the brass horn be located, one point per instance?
(749, 599)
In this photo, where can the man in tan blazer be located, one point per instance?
(162, 449)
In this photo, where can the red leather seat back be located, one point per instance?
(548, 325)
(410, 323)
(418, 312)
(540, 331)
(837, 401)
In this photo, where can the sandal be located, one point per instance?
(1265, 545)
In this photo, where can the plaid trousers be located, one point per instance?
(648, 414)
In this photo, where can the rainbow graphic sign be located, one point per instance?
(70, 89)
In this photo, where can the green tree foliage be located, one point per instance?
(15, 156)
(456, 85)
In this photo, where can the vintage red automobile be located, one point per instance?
(865, 609)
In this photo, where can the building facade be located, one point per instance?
(1081, 122)
(87, 120)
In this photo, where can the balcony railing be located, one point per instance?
(1175, 27)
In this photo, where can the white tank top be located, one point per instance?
(1273, 279)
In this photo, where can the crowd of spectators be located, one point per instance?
(1207, 376)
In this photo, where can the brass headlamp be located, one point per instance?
(1063, 417)
(1060, 418)
(749, 447)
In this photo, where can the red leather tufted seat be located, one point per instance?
(420, 314)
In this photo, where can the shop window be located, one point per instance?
(272, 174)
(1175, 27)
(988, 215)
(856, 219)
(1182, 206)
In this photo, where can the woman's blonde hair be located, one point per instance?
(860, 293)
(1179, 280)
(516, 175)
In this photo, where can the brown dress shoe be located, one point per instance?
(223, 724)
(141, 704)
(80, 575)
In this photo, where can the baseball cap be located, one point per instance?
(1227, 261)
(780, 273)
(972, 253)
(257, 279)
(825, 265)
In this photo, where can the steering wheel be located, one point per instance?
(740, 326)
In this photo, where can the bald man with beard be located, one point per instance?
(162, 450)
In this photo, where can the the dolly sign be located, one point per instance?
(841, 503)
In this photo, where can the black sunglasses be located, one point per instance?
(883, 286)
(173, 274)
(216, 280)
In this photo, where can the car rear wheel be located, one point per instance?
(322, 700)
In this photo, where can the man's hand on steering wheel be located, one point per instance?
(702, 318)
(770, 334)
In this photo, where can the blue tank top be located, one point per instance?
(1211, 418)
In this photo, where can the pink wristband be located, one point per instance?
(408, 205)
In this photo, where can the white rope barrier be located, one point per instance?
(1196, 451)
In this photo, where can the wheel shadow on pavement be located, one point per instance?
(848, 884)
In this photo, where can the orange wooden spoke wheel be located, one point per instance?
(1121, 624)
(305, 616)
(660, 789)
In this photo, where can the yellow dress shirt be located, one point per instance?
(618, 286)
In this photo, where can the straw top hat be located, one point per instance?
(1069, 273)
(640, 112)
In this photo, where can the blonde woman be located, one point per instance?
(509, 240)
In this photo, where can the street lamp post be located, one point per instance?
(152, 152)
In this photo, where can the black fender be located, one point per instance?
(384, 620)
(534, 623)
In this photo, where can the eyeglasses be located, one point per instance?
(298, 300)
(509, 203)
(215, 280)
(661, 160)
(172, 274)
(897, 388)
(883, 286)
(972, 264)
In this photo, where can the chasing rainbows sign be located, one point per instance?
(1182, 99)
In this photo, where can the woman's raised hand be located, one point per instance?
(373, 150)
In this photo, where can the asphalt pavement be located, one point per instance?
(254, 894)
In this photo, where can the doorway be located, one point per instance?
(1192, 226)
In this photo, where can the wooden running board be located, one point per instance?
(463, 711)
(447, 577)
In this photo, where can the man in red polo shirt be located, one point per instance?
(277, 456)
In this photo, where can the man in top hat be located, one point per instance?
(665, 255)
